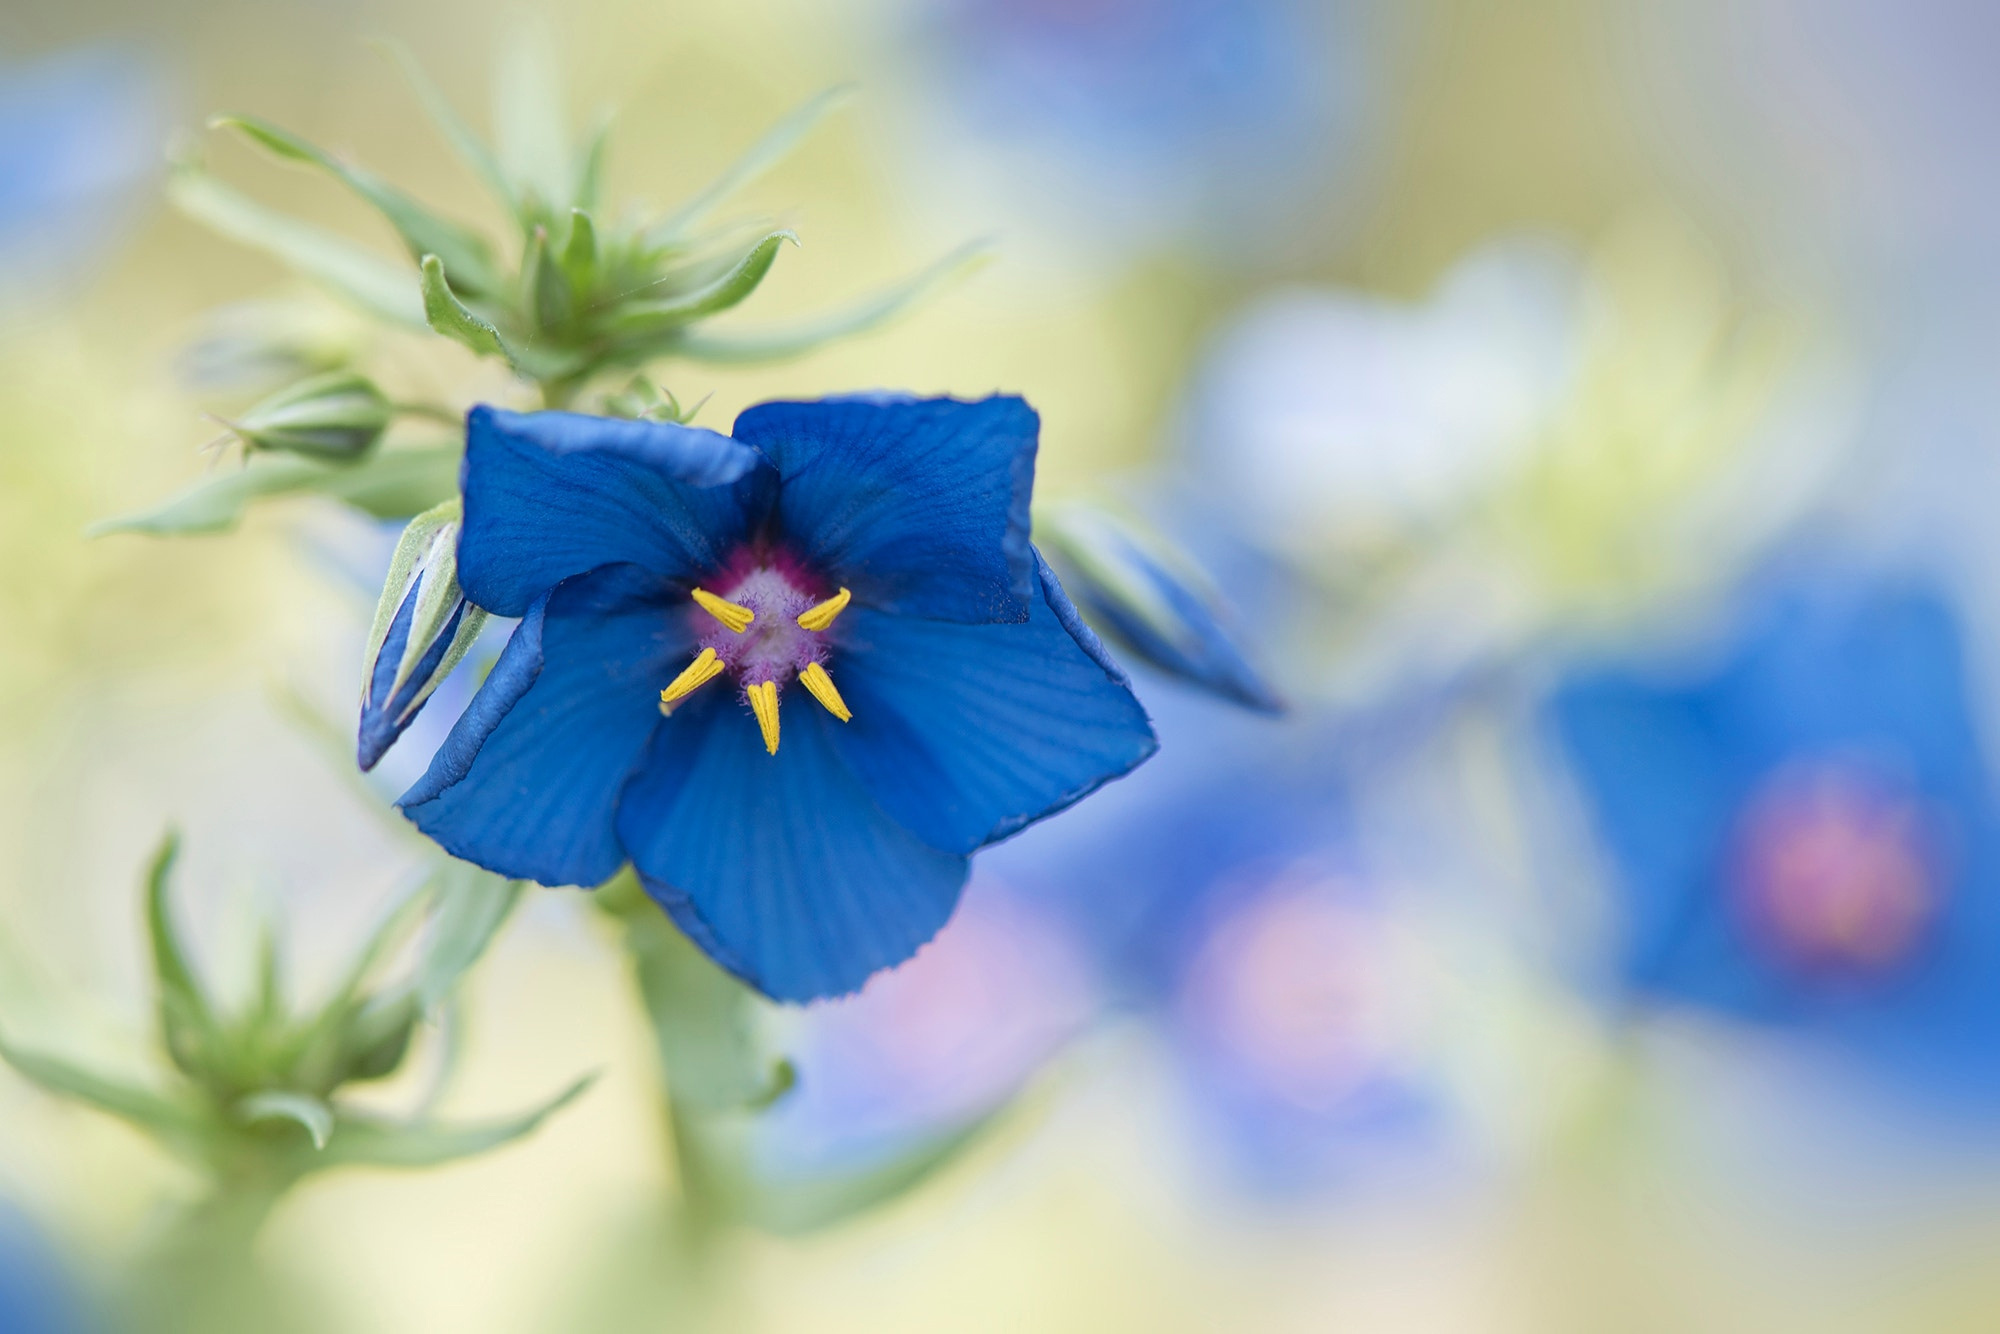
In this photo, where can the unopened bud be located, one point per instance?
(337, 416)
(423, 627)
(1137, 598)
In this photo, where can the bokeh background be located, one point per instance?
(1587, 411)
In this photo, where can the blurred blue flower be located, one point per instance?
(36, 1292)
(1803, 827)
(935, 1045)
(647, 559)
(1232, 117)
(78, 131)
(1219, 898)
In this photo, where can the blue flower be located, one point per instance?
(873, 553)
(1223, 899)
(1802, 826)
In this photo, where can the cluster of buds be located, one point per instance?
(570, 295)
(254, 1093)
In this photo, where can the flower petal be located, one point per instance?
(919, 506)
(549, 495)
(780, 866)
(968, 733)
(527, 783)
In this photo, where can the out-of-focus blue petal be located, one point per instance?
(79, 129)
(780, 866)
(919, 507)
(383, 716)
(549, 495)
(967, 733)
(1155, 613)
(527, 784)
(38, 1293)
(1868, 675)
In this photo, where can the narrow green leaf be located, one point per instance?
(766, 153)
(448, 315)
(531, 122)
(816, 1203)
(472, 906)
(590, 166)
(388, 484)
(777, 344)
(457, 133)
(172, 1122)
(394, 484)
(373, 1142)
(348, 271)
(285, 1105)
(424, 232)
(726, 289)
(187, 1025)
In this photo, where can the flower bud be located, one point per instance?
(337, 416)
(1137, 598)
(423, 627)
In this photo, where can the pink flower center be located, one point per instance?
(774, 647)
(1837, 873)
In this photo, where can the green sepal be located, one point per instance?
(359, 1140)
(285, 1105)
(377, 1037)
(579, 256)
(388, 484)
(350, 272)
(767, 152)
(187, 1023)
(726, 289)
(449, 316)
(427, 550)
(777, 344)
(337, 416)
(813, 1204)
(546, 299)
(421, 230)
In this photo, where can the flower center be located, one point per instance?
(765, 626)
(1299, 992)
(1837, 873)
(774, 646)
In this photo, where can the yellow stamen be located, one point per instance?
(815, 679)
(705, 668)
(821, 616)
(732, 614)
(764, 703)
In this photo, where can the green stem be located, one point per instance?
(436, 412)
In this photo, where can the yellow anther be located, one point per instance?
(732, 614)
(815, 679)
(764, 703)
(705, 668)
(821, 616)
